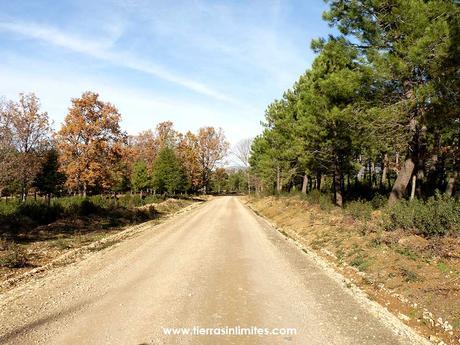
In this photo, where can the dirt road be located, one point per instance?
(216, 266)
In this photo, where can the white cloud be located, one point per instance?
(100, 49)
(140, 109)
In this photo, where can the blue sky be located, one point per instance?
(195, 63)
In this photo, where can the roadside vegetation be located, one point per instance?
(34, 233)
(360, 159)
(60, 190)
(415, 276)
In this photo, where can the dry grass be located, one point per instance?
(43, 244)
(407, 273)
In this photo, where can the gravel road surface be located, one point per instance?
(216, 266)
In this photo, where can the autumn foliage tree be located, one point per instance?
(187, 152)
(25, 136)
(211, 149)
(90, 143)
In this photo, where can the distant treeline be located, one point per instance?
(378, 112)
(91, 154)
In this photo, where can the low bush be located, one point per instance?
(379, 201)
(39, 212)
(439, 215)
(16, 216)
(8, 207)
(360, 210)
(14, 257)
(324, 200)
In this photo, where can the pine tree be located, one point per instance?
(140, 178)
(168, 174)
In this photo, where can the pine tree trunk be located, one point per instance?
(373, 179)
(23, 194)
(384, 169)
(337, 187)
(304, 184)
(278, 179)
(420, 177)
(414, 186)
(249, 182)
(402, 181)
(318, 181)
(452, 184)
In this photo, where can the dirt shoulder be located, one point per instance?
(66, 241)
(416, 278)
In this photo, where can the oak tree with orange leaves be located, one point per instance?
(211, 149)
(188, 154)
(90, 144)
(24, 138)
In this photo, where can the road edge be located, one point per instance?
(72, 255)
(378, 310)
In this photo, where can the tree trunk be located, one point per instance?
(384, 169)
(452, 184)
(373, 178)
(414, 186)
(420, 177)
(249, 182)
(278, 179)
(402, 181)
(23, 193)
(84, 189)
(318, 181)
(304, 184)
(337, 187)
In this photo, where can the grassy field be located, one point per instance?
(413, 272)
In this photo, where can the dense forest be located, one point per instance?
(377, 114)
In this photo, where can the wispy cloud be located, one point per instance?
(100, 49)
(140, 109)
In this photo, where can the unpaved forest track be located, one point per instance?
(215, 266)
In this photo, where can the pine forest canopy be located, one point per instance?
(380, 102)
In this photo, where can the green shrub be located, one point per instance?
(88, 207)
(324, 200)
(8, 207)
(14, 257)
(39, 211)
(439, 215)
(152, 199)
(379, 201)
(410, 276)
(16, 216)
(360, 209)
(360, 262)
